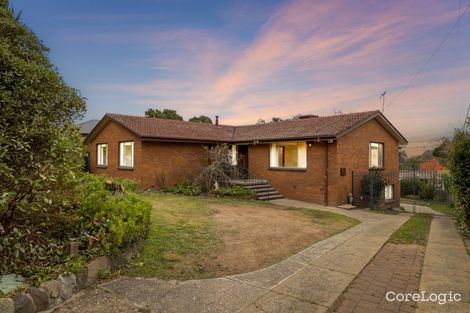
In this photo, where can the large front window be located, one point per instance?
(126, 154)
(102, 154)
(289, 154)
(376, 155)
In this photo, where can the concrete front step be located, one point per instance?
(271, 197)
(268, 193)
(261, 187)
(257, 186)
(265, 189)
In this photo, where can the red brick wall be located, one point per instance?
(174, 161)
(112, 134)
(353, 154)
(305, 185)
(350, 151)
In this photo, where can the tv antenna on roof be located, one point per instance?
(382, 95)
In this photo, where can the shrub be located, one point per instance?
(185, 188)
(110, 218)
(426, 191)
(103, 219)
(459, 166)
(409, 187)
(233, 191)
(376, 180)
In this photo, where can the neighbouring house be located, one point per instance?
(432, 165)
(311, 158)
(86, 127)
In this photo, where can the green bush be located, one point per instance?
(409, 187)
(185, 188)
(459, 166)
(376, 180)
(426, 191)
(238, 191)
(102, 220)
(109, 219)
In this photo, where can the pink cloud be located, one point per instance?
(308, 57)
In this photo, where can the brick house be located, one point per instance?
(311, 158)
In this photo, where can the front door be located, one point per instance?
(242, 160)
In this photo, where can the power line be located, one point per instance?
(430, 57)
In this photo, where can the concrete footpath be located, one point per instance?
(309, 281)
(446, 268)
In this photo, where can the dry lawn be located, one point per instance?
(200, 237)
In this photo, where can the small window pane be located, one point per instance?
(126, 154)
(102, 154)
(289, 154)
(375, 155)
(389, 192)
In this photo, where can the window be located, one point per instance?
(289, 154)
(376, 155)
(389, 192)
(126, 154)
(102, 154)
(234, 155)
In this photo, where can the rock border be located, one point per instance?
(53, 292)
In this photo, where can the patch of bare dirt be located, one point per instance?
(256, 236)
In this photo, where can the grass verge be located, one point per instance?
(442, 207)
(415, 230)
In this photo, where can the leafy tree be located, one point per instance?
(165, 114)
(40, 149)
(276, 119)
(459, 166)
(201, 119)
(402, 156)
(442, 150)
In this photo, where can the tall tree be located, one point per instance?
(40, 150)
(459, 165)
(167, 114)
(442, 150)
(201, 119)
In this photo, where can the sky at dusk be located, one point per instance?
(245, 60)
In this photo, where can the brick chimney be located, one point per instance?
(307, 116)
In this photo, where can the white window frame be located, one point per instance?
(100, 160)
(379, 151)
(122, 157)
(388, 192)
(301, 155)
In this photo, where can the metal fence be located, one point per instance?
(376, 189)
(425, 185)
(415, 191)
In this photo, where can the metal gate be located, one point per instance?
(413, 191)
(376, 189)
(426, 191)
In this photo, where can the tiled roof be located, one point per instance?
(87, 126)
(323, 126)
(171, 129)
(310, 128)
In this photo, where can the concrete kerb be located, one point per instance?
(54, 292)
